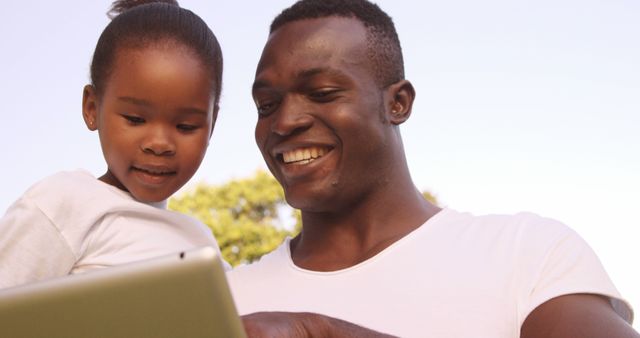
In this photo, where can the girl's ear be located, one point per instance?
(90, 107)
(401, 96)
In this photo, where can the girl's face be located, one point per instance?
(155, 117)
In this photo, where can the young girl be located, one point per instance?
(156, 78)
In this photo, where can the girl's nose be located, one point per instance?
(159, 142)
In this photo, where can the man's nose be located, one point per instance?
(291, 117)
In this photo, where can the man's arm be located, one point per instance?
(302, 325)
(577, 315)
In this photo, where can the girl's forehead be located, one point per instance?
(166, 45)
(159, 54)
(154, 67)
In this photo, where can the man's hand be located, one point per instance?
(301, 325)
(274, 324)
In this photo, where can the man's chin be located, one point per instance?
(313, 203)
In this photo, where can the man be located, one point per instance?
(373, 254)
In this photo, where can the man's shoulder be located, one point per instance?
(508, 234)
(496, 222)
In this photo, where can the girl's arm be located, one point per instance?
(31, 247)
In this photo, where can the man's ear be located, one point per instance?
(401, 95)
(90, 107)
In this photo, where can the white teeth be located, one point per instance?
(303, 155)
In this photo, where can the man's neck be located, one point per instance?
(334, 241)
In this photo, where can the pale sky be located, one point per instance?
(521, 105)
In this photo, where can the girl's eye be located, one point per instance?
(186, 127)
(135, 120)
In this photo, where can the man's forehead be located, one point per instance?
(314, 41)
(319, 33)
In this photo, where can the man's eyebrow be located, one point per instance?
(259, 84)
(309, 73)
(303, 74)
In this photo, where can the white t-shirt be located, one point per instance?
(71, 222)
(455, 276)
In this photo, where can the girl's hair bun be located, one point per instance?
(120, 6)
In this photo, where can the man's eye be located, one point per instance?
(186, 127)
(325, 95)
(135, 120)
(266, 108)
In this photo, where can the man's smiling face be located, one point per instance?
(322, 127)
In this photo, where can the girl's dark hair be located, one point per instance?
(141, 23)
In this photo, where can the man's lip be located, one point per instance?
(277, 151)
(306, 168)
(303, 155)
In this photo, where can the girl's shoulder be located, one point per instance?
(74, 194)
(63, 184)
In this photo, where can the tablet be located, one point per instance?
(180, 295)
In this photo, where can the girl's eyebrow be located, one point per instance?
(145, 103)
(191, 110)
(139, 102)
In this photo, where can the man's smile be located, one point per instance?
(303, 155)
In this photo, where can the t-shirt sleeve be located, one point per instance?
(31, 247)
(560, 262)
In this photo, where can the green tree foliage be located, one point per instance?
(249, 217)
(246, 215)
(430, 197)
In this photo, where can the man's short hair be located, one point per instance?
(383, 46)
